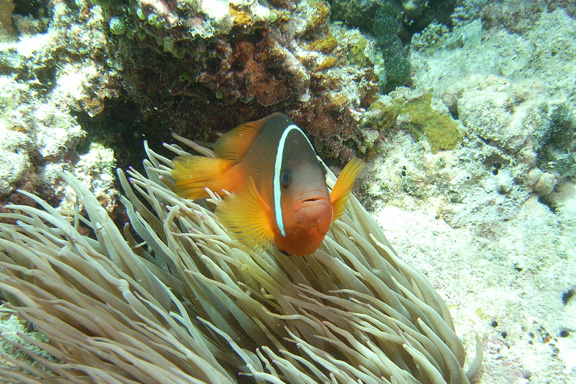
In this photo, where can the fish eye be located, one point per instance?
(286, 178)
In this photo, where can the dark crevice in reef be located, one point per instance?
(36, 8)
(121, 126)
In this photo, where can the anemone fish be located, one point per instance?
(276, 186)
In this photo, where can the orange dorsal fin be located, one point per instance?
(192, 174)
(247, 216)
(343, 186)
(235, 144)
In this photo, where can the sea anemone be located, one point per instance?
(173, 299)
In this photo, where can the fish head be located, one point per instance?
(306, 207)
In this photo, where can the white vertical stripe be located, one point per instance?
(277, 194)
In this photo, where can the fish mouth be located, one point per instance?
(310, 199)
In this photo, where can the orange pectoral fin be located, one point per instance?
(247, 216)
(343, 186)
(192, 174)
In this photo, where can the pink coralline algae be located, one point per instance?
(245, 71)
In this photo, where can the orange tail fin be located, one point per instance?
(343, 186)
(192, 174)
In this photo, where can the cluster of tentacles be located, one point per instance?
(173, 299)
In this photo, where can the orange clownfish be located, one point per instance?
(277, 185)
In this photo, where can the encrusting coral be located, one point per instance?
(174, 300)
(6, 8)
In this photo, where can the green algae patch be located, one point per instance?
(387, 113)
(439, 129)
(356, 52)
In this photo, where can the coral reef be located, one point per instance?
(441, 130)
(115, 73)
(431, 37)
(416, 14)
(6, 25)
(502, 202)
(418, 115)
(239, 61)
(392, 22)
(386, 29)
(47, 77)
(505, 281)
(12, 329)
(83, 82)
(356, 13)
(518, 117)
(557, 145)
(514, 16)
(383, 21)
